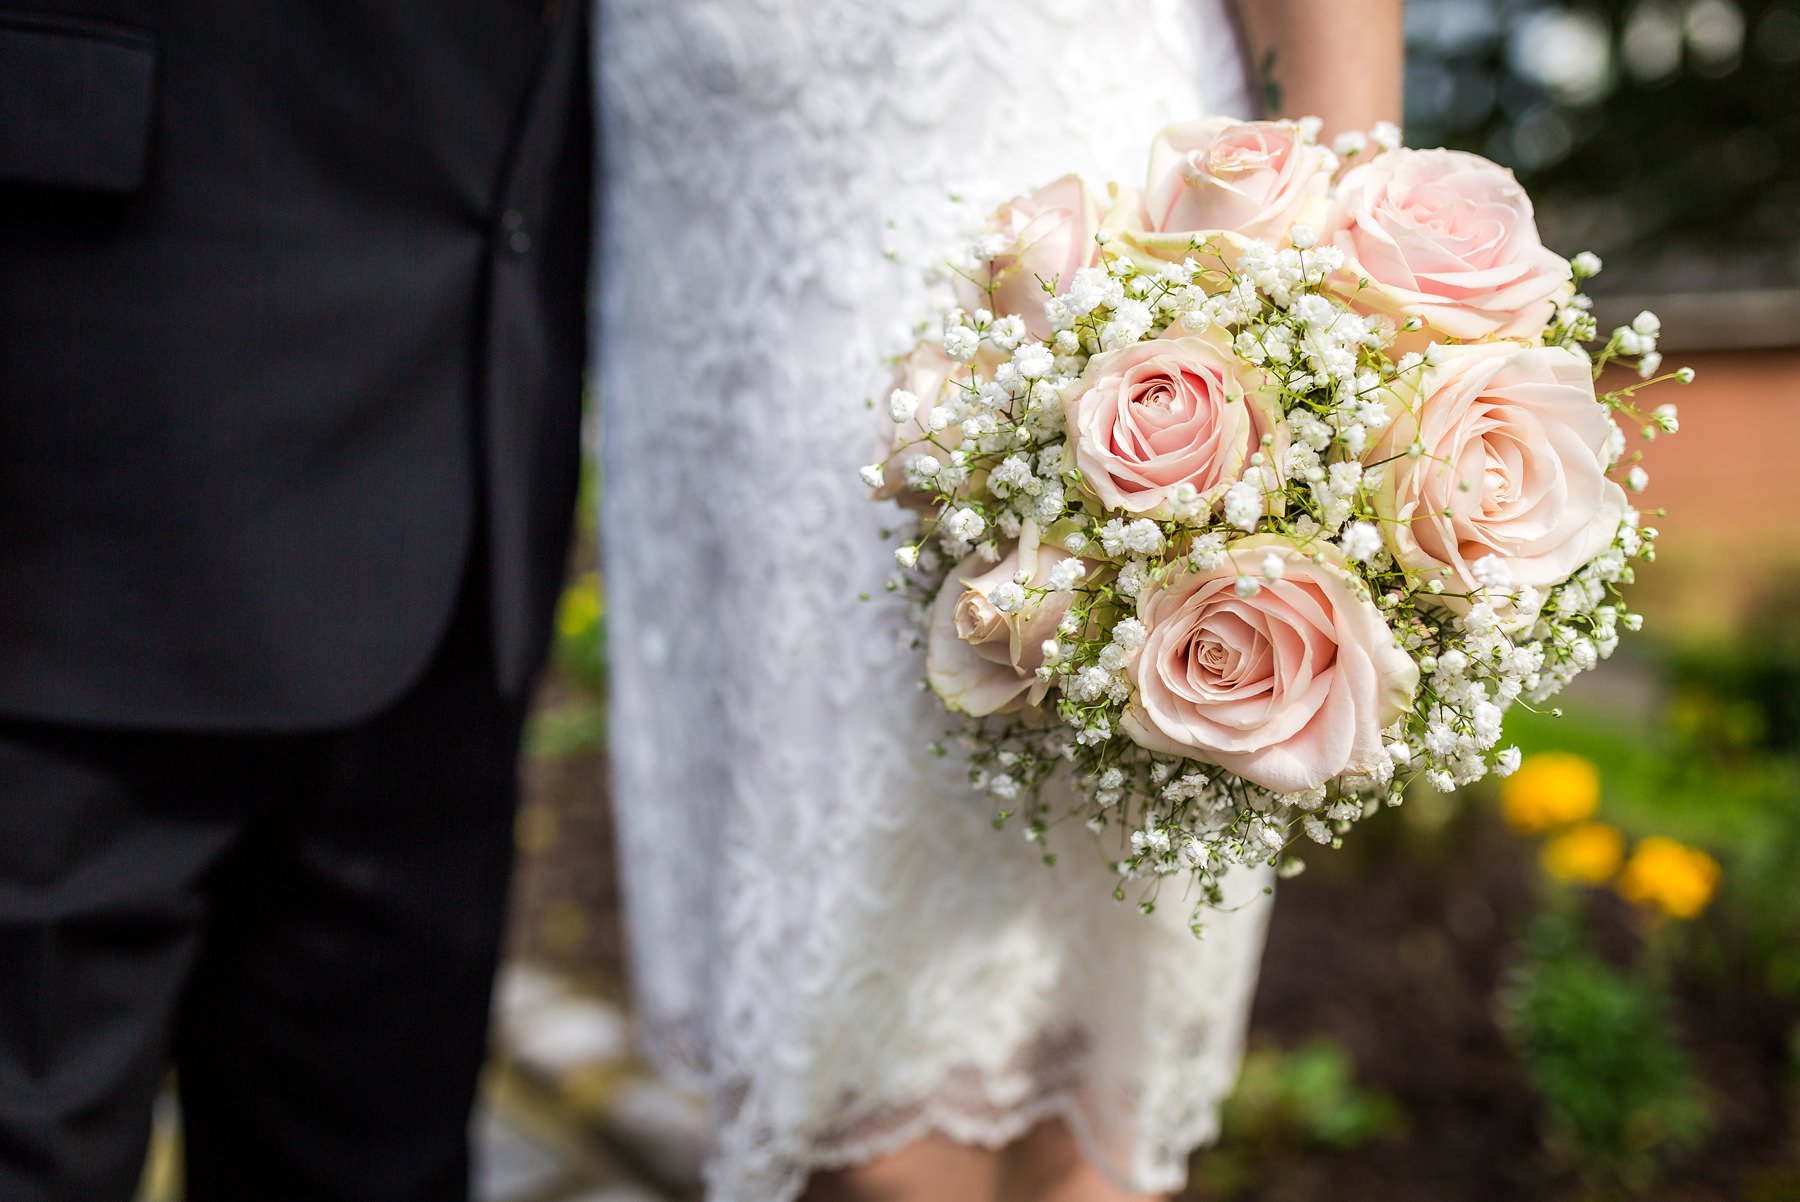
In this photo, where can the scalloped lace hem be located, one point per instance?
(744, 1168)
(782, 1176)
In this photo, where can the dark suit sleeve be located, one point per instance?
(74, 103)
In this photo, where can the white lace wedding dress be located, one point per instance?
(830, 939)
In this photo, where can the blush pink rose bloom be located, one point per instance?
(981, 661)
(1521, 428)
(1150, 417)
(1448, 237)
(1049, 236)
(926, 372)
(1254, 178)
(1289, 688)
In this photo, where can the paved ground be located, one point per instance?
(568, 1116)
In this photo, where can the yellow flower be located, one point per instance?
(580, 608)
(1551, 789)
(1587, 854)
(1674, 878)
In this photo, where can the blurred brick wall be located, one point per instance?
(1730, 481)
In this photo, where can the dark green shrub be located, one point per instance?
(1620, 1098)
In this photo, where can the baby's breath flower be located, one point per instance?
(1492, 572)
(1132, 578)
(1066, 574)
(1033, 360)
(1007, 332)
(1131, 320)
(1243, 505)
(961, 343)
(1206, 551)
(1013, 475)
(1186, 501)
(902, 405)
(1345, 478)
(1360, 541)
(1007, 597)
(965, 524)
(1144, 537)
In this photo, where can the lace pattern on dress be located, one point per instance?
(830, 940)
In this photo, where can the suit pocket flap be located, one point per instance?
(74, 103)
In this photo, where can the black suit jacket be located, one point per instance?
(292, 304)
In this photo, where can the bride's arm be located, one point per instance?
(1335, 59)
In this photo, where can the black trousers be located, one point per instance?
(306, 924)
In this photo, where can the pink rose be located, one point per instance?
(1446, 236)
(1048, 237)
(1150, 417)
(1513, 465)
(1255, 178)
(1288, 688)
(980, 660)
(927, 372)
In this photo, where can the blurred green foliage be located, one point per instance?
(576, 726)
(1286, 1102)
(1308, 1095)
(1620, 1098)
(1741, 699)
(581, 634)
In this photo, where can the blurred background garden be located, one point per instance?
(1581, 984)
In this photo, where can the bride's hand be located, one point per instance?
(1328, 58)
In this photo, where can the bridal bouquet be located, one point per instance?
(1254, 496)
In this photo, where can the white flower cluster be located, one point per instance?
(1060, 605)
